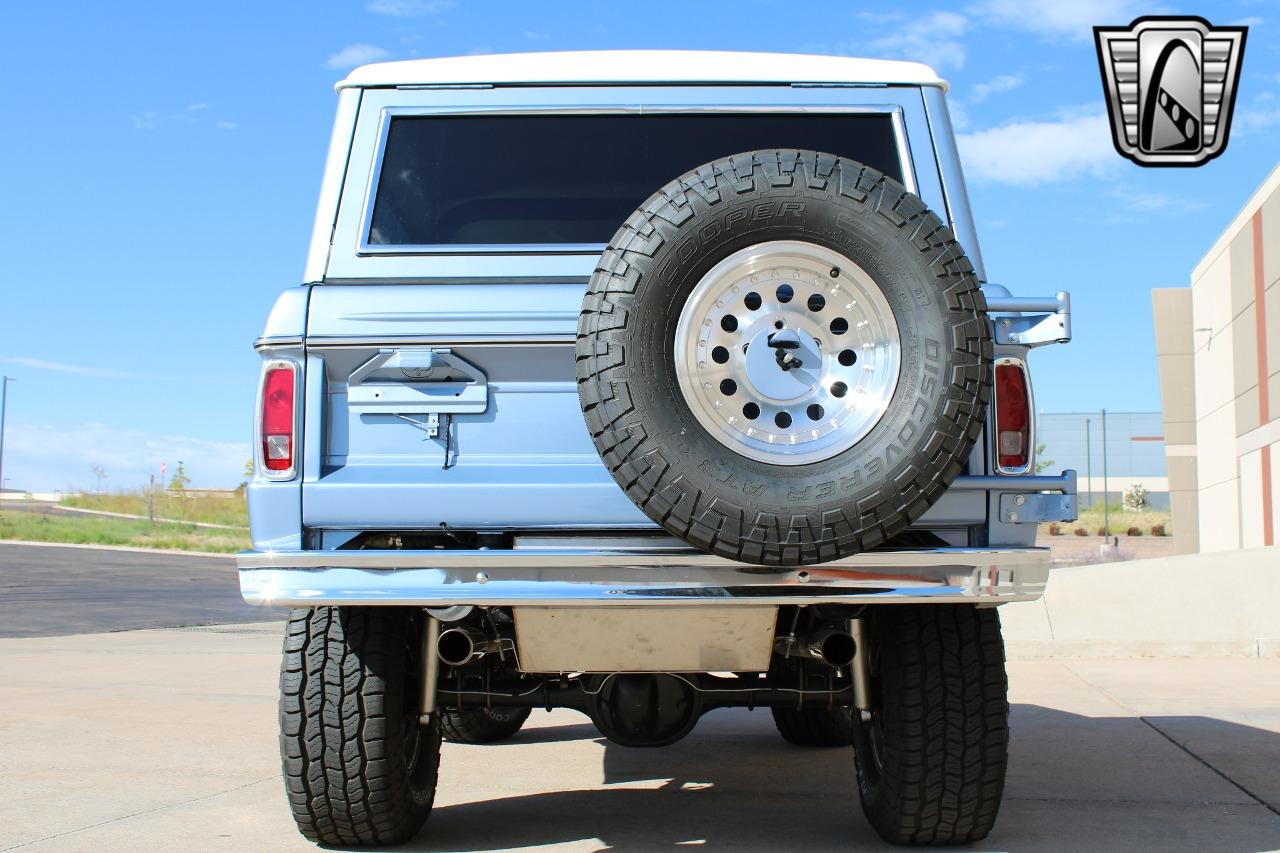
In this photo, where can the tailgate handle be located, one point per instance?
(417, 381)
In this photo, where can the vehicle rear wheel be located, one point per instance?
(359, 769)
(823, 727)
(931, 760)
(482, 725)
(784, 357)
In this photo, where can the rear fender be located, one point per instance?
(275, 506)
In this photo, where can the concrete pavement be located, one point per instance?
(166, 740)
(48, 590)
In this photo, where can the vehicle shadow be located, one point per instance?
(1074, 782)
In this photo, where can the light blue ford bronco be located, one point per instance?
(645, 384)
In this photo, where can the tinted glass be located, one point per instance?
(575, 178)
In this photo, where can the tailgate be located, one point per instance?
(457, 404)
(398, 374)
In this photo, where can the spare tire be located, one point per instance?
(783, 357)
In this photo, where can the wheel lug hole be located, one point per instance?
(839, 389)
(729, 323)
(785, 293)
(815, 412)
(751, 411)
(752, 301)
(719, 355)
(816, 302)
(839, 326)
(783, 420)
(728, 387)
(847, 357)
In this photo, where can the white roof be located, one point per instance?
(641, 66)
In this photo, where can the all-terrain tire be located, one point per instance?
(931, 763)
(482, 725)
(691, 482)
(358, 767)
(818, 727)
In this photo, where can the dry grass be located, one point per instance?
(211, 509)
(96, 530)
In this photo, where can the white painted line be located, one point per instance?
(144, 518)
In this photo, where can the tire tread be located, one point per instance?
(479, 725)
(340, 685)
(946, 725)
(816, 727)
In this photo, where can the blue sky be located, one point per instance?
(161, 163)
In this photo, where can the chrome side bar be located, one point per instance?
(1000, 304)
(1031, 330)
(1064, 482)
(634, 576)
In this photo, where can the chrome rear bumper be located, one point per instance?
(635, 576)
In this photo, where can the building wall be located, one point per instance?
(1175, 348)
(1232, 336)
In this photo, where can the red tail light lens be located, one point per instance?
(1013, 418)
(277, 419)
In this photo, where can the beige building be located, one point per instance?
(1218, 350)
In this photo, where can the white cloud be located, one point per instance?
(1001, 83)
(59, 367)
(1250, 21)
(1155, 202)
(222, 124)
(44, 458)
(1256, 118)
(191, 114)
(934, 39)
(409, 8)
(356, 54)
(1132, 205)
(1073, 20)
(1031, 153)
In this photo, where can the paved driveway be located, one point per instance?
(51, 590)
(166, 740)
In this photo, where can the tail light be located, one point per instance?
(279, 420)
(1014, 415)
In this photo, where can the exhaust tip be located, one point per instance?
(836, 648)
(456, 647)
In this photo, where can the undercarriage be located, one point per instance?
(814, 663)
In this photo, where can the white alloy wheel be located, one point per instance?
(787, 352)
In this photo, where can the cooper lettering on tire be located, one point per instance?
(784, 357)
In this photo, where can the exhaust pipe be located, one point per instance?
(830, 644)
(461, 646)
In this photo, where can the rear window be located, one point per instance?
(573, 179)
